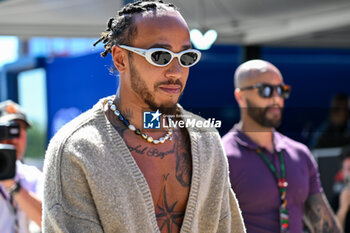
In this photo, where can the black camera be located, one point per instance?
(9, 130)
(7, 161)
(8, 152)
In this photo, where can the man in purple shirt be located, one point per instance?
(274, 177)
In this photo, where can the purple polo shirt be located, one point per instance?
(256, 187)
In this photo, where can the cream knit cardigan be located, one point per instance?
(93, 184)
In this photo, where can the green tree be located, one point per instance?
(36, 141)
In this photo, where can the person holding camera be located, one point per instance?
(20, 195)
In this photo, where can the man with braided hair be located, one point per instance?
(106, 172)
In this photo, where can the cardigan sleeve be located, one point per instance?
(237, 225)
(231, 217)
(58, 220)
(68, 203)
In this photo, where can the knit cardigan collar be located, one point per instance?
(121, 148)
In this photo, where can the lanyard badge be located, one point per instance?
(282, 186)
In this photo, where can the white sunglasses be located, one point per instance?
(162, 57)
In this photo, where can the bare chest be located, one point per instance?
(167, 169)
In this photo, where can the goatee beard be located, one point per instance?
(259, 115)
(140, 88)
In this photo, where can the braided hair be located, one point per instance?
(121, 28)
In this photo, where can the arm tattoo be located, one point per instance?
(321, 217)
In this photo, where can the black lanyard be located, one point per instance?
(282, 186)
(13, 207)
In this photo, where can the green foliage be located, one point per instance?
(36, 141)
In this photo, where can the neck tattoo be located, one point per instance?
(131, 127)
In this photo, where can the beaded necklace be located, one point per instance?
(282, 185)
(149, 139)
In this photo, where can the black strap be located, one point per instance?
(3, 194)
(13, 206)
